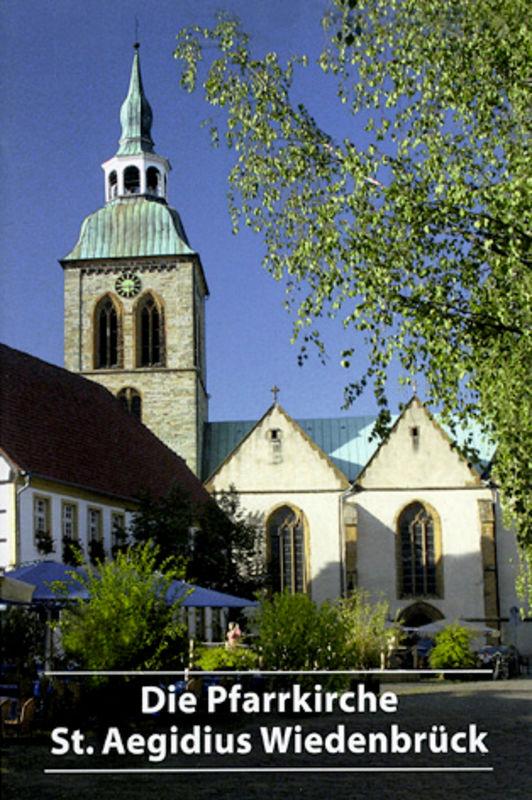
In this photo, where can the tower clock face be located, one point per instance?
(128, 284)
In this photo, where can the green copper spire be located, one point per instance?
(135, 116)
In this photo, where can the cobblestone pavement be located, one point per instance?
(503, 709)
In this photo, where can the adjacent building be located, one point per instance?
(73, 463)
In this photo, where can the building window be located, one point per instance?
(72, 551)
(150, 333)
(113, 185)
(275, 437)
(131, 401)
(108, 334)
(42, 525)
(419, 544)
(286, 532)
(153, 180)
(94, 525)
(69, 521)
(131, 180)
(118, 532)
(95, 535)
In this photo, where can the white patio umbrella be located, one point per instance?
(15, 591)
(439, 624)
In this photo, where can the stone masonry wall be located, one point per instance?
(174, 400)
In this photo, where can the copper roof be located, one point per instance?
(130, 227)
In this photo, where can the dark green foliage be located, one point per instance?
(215, 539)
(96, 551)
(44, 542)
(72, 551)
(22, 643)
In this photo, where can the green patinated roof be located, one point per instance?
(135, 116)
(346, 440)
(129, 227)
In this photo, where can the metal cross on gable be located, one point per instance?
(275, 391)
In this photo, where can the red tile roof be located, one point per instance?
(60, 426)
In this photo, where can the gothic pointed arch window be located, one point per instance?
(150, 332)
(287, 550)
(419, 552)
(108, 333)
(131, 401)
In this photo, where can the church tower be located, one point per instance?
(135, 292)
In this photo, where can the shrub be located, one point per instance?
(127, 622)
(295, 633)
(213, 658)
(365, 632)
(22, 640)
(452, 649)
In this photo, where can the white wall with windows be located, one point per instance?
(7, 513)
(460, 592)
(46, 516)
(277, 467)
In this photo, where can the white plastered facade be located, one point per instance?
(296, 474)
(416, 464)
(18, 494)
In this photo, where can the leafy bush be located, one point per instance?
(22, 640)
(238, 658)
(218, 540)
(127, 622)
(366, 636)
(295, 633)
(452, 649)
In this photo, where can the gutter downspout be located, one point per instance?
(343, 571)
(496, 519)
(18, 491)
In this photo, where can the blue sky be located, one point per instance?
(64, 67)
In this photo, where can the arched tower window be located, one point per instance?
(108, 334)
(153, 180)
(113, 185)
(286, 532)
(131, 180)
(150, 333)
(419, 552)
(132, 401)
